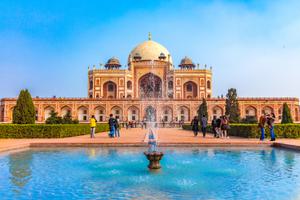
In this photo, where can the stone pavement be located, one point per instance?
(136, 137)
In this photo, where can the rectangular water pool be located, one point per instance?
(122, 173)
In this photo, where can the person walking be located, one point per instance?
(261, 125)
(203, 125)
(111, 123)
(117, 127)
(93, 124)
(195, 125)
(271, 120)
(214, 125)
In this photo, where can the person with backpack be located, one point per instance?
(111, 123)
(117, 127)
(261, 125)
(271, 121)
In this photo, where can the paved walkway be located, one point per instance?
(136, 137)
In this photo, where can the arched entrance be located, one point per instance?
(150, 114)
(150, 86)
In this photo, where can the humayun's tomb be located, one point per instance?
(151, 87)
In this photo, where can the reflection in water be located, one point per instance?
(289, 159)
(20, 169)
(92, 153)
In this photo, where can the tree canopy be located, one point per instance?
(232, 106)
(24, 111)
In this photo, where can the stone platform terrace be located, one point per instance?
(136, 137)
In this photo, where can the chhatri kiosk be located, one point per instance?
(152, 87)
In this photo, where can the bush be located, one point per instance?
(252, 130)
(249, 120)
(47, 130)
(189, 127)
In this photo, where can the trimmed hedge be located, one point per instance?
(47, 130)
(189, 127)
(253, 131)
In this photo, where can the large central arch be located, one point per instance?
(150, 86)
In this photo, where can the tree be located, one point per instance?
(286, 115)
(24, 111)
(202, 110)
(67, 119)
(232, 106)
(54, 119)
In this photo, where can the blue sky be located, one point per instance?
(46, 46)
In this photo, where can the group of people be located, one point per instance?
(195, 125)
(268, 119)
(114, 126)
(220, 126)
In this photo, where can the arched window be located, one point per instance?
(190, 89)
(129, 85)
(100, 114)
(208, 85)
(82, 113)
(133, 114)
(109, 90)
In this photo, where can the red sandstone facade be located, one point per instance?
(150, 88)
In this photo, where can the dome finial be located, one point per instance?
(149, 36)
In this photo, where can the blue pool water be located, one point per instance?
(121, 173)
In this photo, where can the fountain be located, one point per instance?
(154, 159)
(151, 88)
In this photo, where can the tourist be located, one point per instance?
(117, 127)
(93, 123)
(261, 125)
(224, 125)
(218, 128)
(195, 125)
(214, 126)
(111, 123)
(270, 121)
(152, 142)
(203, 125)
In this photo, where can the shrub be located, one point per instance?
(189, 127)
(249, 120)
(47, 130)
(252, 130)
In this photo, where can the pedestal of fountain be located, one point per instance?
(154, 159)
